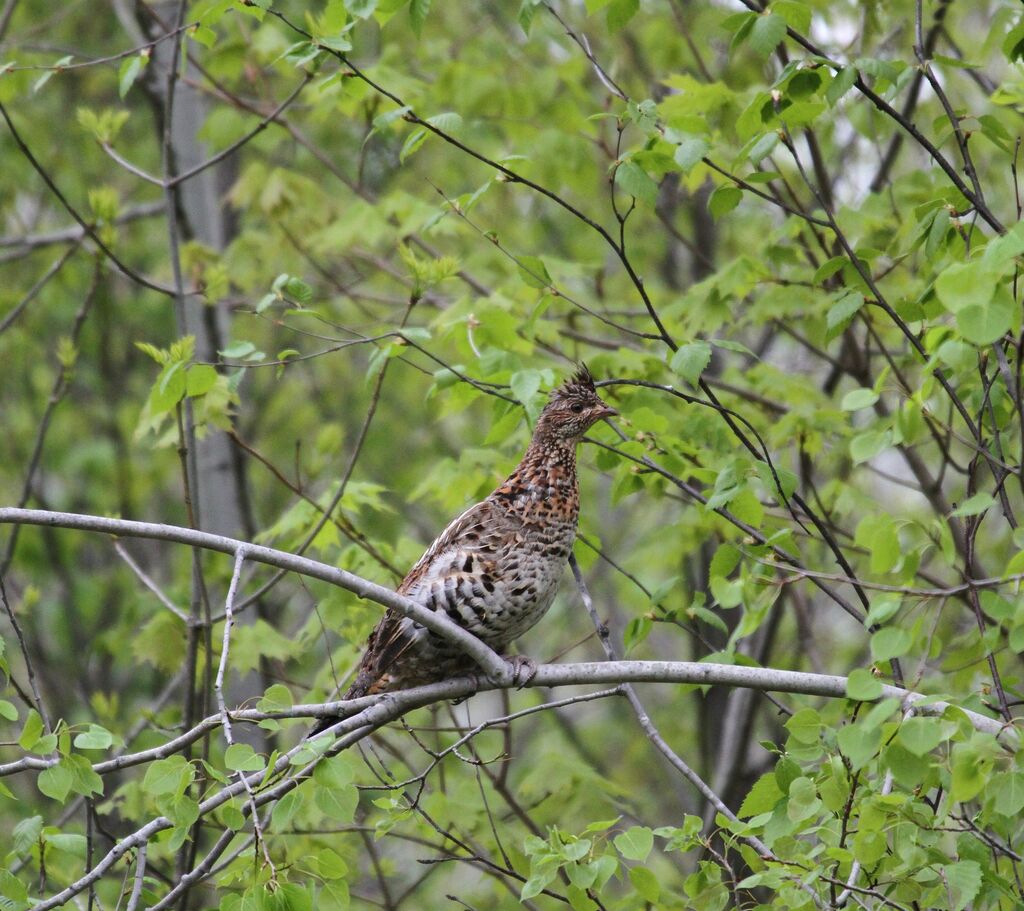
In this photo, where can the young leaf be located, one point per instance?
(634, 180)
(724, 200)
(418, 10)
(768, 30)
(635, 843)
(691, 360)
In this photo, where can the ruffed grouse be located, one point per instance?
(495, 569)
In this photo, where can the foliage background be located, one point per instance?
(786, 237)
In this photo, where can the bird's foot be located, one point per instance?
(524, 669)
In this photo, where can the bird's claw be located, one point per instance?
(524, 669)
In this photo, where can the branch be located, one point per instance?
(87, 228)
(75, 232)
(372, 712)
(493, 665)
(603, 673)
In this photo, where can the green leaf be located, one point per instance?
(969, 772)
(84, 779)
(337, 804)
(334, 43)
(277, 698)
(803, 800)
(890, 642)
(645, 883)
(985, 325)
(56, 68)
(882, 609)
(636, 631)
(724, 200)
(26, 834)
(865, 446)
(635, 843)
(691, 360)
(207, 37)
(937, 232)
(11, 888)
(842, 312)
(330, 864)
(634, 180)
(527, 10)
(361, 9)
(94, 737)
(418, 10)
(863, 686)
(334, 896)
(879, 534)
(412, 143)
(725, 560)
(805, 726)
(31, 731)
(534, 273)
(168, 776)
(690, 151)
(964, 879)
(169, 388)
(973, 291)
(857, 399)
(965, 284)
(921, 735)
(68, 842)
(768, 30)
(1007, 790)
(536, 884)
(182, 810)
(797, 15)
(763, 148)
(334, 792)
(240, 757)
(975, 506)
(525, 385)
(620, 12)
(762, 797)
(447, 122)
(1013, 43)
(869, 846)
(841, 83)
(200, 379)
(129, 72)
(232, 817)
(858, 744)
(829, 268)
(8, 710)
(55, 782)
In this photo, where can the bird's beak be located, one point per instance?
(607, 412)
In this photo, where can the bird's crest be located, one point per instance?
(580, 383)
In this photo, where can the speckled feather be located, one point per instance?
(495, 569)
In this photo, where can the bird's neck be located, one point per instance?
(546, 471)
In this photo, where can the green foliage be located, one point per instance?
(792, 249)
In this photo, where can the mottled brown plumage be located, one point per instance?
(495, 569)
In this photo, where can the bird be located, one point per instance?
(495, 569)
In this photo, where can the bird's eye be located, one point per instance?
(577, 408)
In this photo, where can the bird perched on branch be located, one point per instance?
(496, 568)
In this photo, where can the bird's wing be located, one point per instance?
(480, 530)
(467, 545)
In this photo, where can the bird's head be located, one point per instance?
(573, 408)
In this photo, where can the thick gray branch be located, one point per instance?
(549, 675)
(492, 664)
